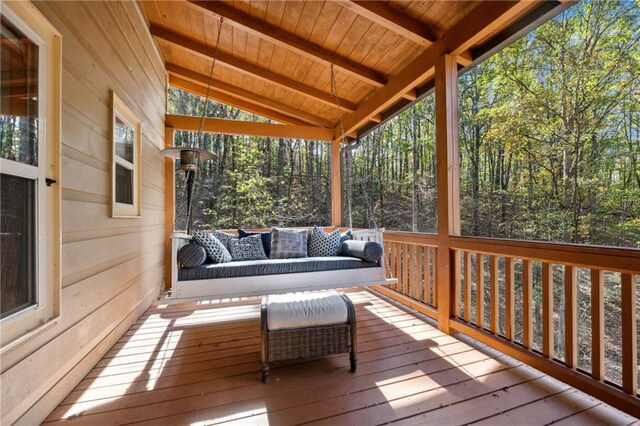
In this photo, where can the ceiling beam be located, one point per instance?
(249, 128)
(291, 41)
(484, 19)
(248, 68)
(393, 20)
(222, 93)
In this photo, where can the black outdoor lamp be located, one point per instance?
(189, 158)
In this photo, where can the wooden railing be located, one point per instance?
(494, 284)
(411, 259)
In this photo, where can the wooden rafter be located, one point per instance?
(248, 68)
(241, 99)
(394, 20)
(249, 128)
(291, 41)
(484, 19)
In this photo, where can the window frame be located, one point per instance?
(21, 325)
(120, 111)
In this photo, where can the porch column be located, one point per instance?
(336, 185)
(169, 204)
(448, 173)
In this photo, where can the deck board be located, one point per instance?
(199, 362)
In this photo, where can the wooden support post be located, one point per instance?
(169, 204)
(448, 174)
(336, 185)
(629, 336)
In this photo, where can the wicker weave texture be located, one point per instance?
(308, 342)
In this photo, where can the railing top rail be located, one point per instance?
(608, 258)
(412, 237)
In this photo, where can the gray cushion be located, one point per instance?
(365, 250)
(288, 243)
(324, 244)
(247, 248)
(251, 268)
(192, 255)
(216, 251)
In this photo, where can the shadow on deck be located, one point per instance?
(199, 363)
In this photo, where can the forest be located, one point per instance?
(549, 148)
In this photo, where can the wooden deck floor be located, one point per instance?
(199, 363)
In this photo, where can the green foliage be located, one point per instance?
(549, 139)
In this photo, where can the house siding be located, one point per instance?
(112, 269)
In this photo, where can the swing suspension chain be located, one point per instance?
(344, 139)
(206, 98)
(334, 93)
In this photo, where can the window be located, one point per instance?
(125, 179)
(29, 150)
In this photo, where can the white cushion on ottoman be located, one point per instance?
(296, 310)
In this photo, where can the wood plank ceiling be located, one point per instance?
(275, 56)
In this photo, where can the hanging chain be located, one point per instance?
(205, 100)
(334, 93)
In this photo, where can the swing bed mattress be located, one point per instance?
(270, 276)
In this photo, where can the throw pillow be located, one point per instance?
(192, 255)
(247, 248)
(266, 239)
(224, 238)
(347, 235)
(216, 251)
(365, 250)
(288, 243)
(324, 244)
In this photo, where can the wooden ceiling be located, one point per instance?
(275, 56)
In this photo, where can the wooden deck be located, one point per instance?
(199, 363)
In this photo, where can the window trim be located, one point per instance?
(20, 326)
(119, 110)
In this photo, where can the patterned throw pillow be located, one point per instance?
(347, 235)
(266, 239)
(192, 255)
(324, 244)
(216, 251)
(247, 248)
(288, 243)
(224, 238)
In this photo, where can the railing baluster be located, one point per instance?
(597, 324)
(405, 269)
(547, 310)
(427, 276)
(509, 310)
(480, 290)
(456, 281)
(494, 315)
(419, 273)
(434, 277)
(527, 305)
(398, 259)
(629, 336)
(412, 271)
(570, 317)
(467, 286)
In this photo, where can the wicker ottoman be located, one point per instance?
(307, 325)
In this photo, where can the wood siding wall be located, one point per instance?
(111, 268)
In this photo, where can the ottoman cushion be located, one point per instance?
(297, 310)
